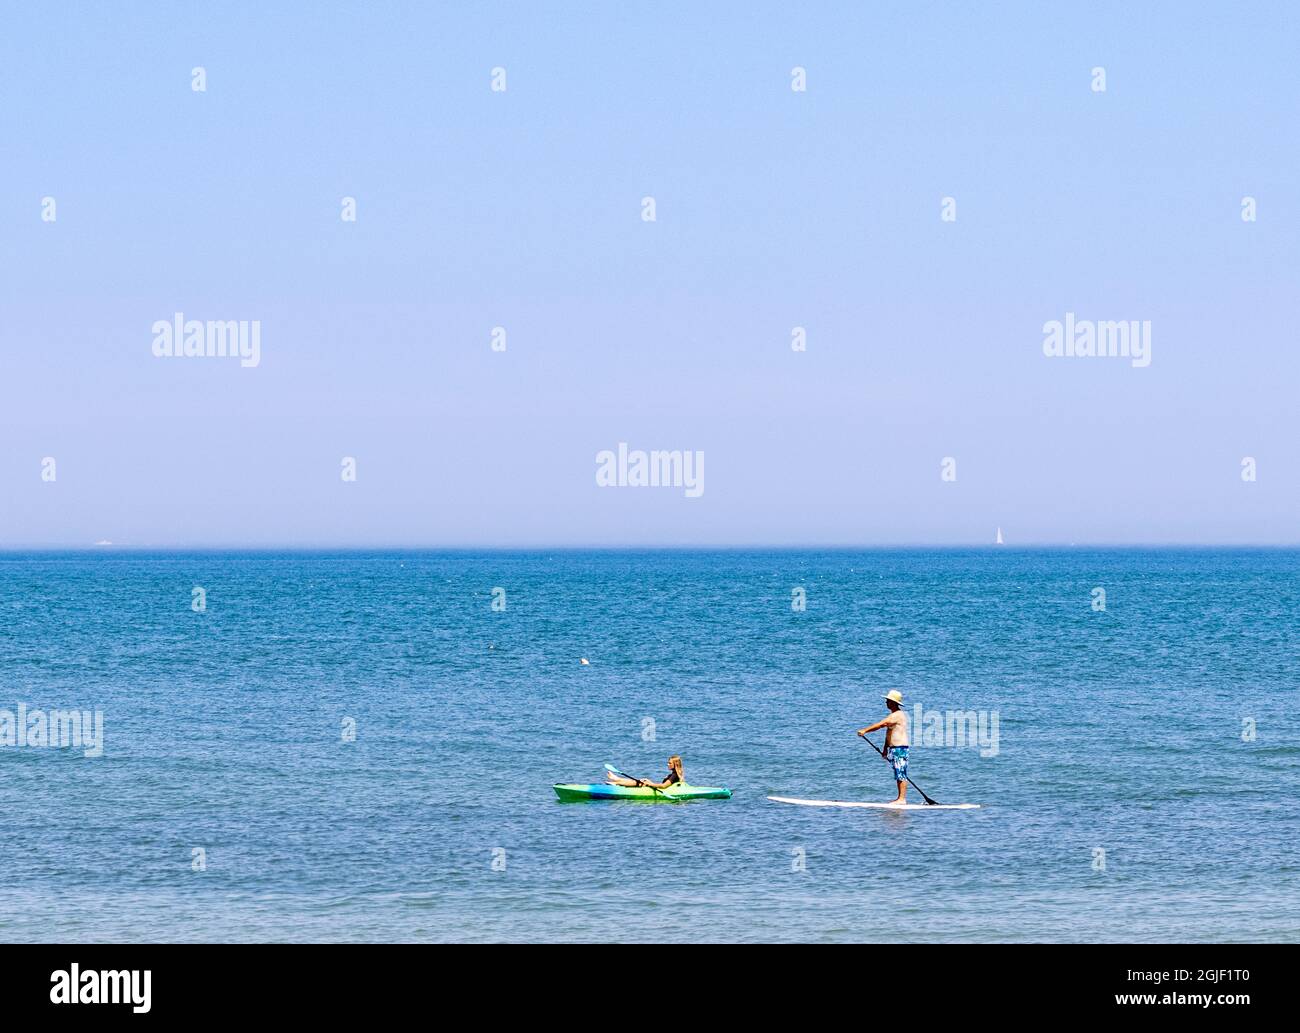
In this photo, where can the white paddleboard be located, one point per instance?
(881, 806)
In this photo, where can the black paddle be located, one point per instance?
(929, 802)
(642, 781)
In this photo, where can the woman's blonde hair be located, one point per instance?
(674, 759)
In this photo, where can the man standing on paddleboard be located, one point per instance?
(896, 740)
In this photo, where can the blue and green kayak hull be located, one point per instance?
(569, 792)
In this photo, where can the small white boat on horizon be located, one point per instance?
(999, 541)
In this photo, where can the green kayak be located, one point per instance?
(681, 791)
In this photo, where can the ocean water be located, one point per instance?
(1124, 736)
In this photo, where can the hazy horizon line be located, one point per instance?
(631, 547)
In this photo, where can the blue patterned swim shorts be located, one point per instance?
(897, 755)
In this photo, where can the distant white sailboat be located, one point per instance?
(999, 541)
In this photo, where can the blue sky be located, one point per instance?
(775, 209)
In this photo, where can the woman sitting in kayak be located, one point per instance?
(673, 777)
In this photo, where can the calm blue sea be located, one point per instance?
(1124, 737)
